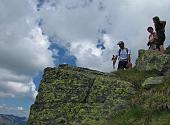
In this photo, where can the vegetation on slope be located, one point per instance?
(150, 106)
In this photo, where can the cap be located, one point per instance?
(120, 43)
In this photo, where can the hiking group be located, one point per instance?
(156, 42)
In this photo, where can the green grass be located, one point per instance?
(147, 106)
(134, 76)
(141, 116)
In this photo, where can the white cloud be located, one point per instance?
(13, 89)
(55, 52)
(17, 111)
(20, 108)
(90, 56)
(6, 95)
(79, 22)
(23, 49)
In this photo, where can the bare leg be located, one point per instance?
(162, 49)
(157, 50)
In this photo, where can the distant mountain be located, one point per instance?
(12, 120)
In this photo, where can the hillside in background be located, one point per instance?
(12, 120)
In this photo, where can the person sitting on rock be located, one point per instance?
(160, 30)
(123, 55)
(152, 38)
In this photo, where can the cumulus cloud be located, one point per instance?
(13, 89)
(20, 108)
(78, 24)
(23, 49)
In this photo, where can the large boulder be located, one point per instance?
(167, 51)
(152, 81)
(78, 96)
(149, 60)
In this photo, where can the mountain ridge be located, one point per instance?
(12, 120)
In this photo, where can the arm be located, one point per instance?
(129, 58)
(163, 25)
(148, 44)
(149, 38)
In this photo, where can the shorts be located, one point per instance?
(153, 46)
(122, 65)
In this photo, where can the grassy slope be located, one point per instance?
(148, 106)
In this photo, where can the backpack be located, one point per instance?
(129, 65)
(126, 51)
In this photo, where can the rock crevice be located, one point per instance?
(73, 96)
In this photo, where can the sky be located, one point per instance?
(35, 34)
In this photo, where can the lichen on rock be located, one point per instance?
(149, 82)
(152, 60)
(71, 95)
(78, 96)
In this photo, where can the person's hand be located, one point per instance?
(129, 65)
(148, 43)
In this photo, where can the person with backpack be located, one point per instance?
(153, 39)
(123, 55)
(160, 30)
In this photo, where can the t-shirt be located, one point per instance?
(123, 54)
(152, 37)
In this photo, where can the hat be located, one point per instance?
(120, 43)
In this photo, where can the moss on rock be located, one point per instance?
(78, 96)
(167, 51)
(152, 60)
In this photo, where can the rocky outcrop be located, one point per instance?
(167, 51)
(152, 60)
(78, 96)
(151, 81)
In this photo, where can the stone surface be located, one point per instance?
(167, 51)
(149, 106)
(152, 60)
(149, 82)
(78, 96)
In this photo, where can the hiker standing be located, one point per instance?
(160, 30)
(153, 39)
(123, 56)
(113, 60)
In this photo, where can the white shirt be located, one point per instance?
(123, 54)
